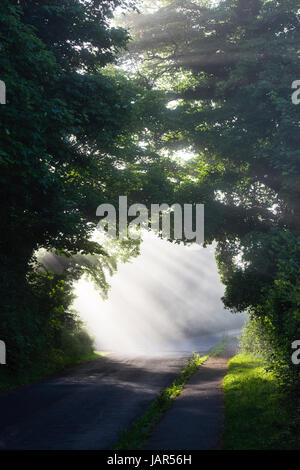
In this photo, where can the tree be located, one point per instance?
(70, 135)
(234, 64)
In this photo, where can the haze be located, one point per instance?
(166, 300)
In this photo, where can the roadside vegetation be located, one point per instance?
(69, 135)
(220, 348)
(233, 107)
(78, 349)
(94, 112)
(260, 412)
(140, 431)
(135, 437)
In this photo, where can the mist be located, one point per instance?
(166, 300)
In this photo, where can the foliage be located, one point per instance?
(221, 348)
(230, 67)
(77, 132)
(256, 415)
(274, 310)
(70, 134)
(253, 340)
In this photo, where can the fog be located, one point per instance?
(166, 300)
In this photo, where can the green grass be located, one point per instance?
(137, 435)
(255, 415)
(220, 348)
(41, 370)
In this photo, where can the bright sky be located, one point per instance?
(168, 299)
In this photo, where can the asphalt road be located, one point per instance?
(196, 419)
(86, 407)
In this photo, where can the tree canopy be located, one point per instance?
(230, 67)
(95, 111)
(70, 134)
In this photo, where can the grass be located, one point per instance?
(220, 348)
(137, 435)
(41, 370)
(255, 415)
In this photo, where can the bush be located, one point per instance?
(39, 326)
(253, 340)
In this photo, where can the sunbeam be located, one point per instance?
(168, 299)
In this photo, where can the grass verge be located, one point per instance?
(41, 370)
(255, 415)
(220, 348)
(137, 435)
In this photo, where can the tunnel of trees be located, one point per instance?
(83, 93)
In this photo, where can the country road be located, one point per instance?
(86, 407)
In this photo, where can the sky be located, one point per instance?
(166, 300)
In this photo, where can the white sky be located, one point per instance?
(168, 299)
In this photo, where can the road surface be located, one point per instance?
(88, 406)
(195, 421)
